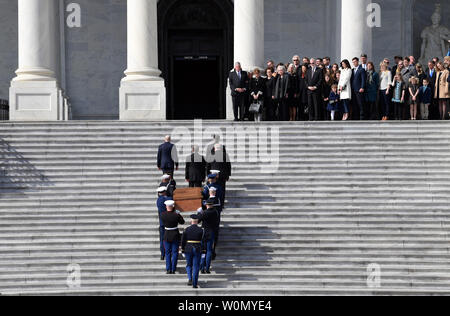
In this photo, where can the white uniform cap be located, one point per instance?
(165, 177)
(162, 189)
(169, 203)
(215, 171)
(213, 189)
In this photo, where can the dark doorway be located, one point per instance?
(197, 87)
(196, 53)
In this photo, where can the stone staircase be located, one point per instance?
(345, 196)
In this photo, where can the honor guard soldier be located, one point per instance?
(217, 204)
(220, 161)
(170, 184)
(162, 198)
(193, 246)
(170, 220)
(212, 182)
(210, 223)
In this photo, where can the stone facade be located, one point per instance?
(94, 56)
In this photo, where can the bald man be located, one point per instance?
(167, 159)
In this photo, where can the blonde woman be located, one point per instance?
(384, 91)
(442, 93)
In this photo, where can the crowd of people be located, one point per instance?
(315, 89)
(197, 244)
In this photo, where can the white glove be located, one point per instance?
(178, 212)
(203, 256)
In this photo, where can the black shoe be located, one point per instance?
(203, 271)
(169, 272)
(214, 255)
(195, 287)
(173, 272)
(208, 272)
(163, 257)
(190, 283)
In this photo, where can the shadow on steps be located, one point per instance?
(18, 174)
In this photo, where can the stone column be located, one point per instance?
(356, 35)
(142, 91)
(248, 39)
(249, 33)
(35, 93)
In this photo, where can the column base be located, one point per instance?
(142, 100)
(36, 101)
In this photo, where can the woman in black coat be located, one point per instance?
(268, 102)
(257, 91)
(303, 92)
(293, 92)
(280, 93)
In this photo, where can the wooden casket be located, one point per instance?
(188, 199)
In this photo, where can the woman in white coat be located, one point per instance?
(344, 88)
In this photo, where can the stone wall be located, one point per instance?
(96, 59)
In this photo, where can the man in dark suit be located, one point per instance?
(314, 80)
(195, 168)
(167, 160)
(239, 86)
(359, 77)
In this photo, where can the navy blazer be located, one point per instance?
(165, 159)
(236, 83)
(359, 79)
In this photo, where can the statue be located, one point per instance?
(434, 38)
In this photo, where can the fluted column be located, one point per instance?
(142, 91)
(356, 35)
(37, 35)
(142, 32)
(35, 93)
(248, 39)
(249, 33)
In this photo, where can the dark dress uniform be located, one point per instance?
(222, 163)
(161, 209)
(210, 223)
(171, 239)
(195, 170)
(193, 245)
(219, 191)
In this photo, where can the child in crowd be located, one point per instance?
(425, 99)
(414, 94)
(399, 96)
(326, 90)
(333, 101)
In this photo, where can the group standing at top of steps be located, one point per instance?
(302, 90)
(198, 245)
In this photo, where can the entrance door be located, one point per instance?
(195, 56)
(197, 87)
